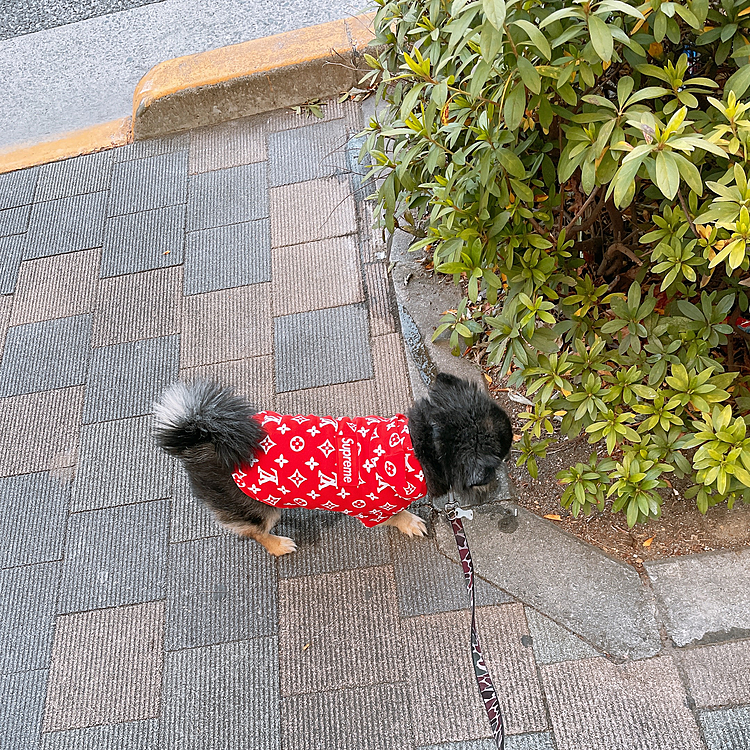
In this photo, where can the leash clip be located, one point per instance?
(453, 512)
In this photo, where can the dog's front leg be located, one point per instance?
(275, 545)
(407, 523)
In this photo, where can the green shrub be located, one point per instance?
(583, 169)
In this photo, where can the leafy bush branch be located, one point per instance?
(583, 169)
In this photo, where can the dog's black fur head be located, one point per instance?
(461, 437)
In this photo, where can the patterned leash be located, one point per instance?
(484, 681)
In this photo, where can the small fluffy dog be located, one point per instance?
(246, 464)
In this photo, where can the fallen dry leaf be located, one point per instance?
(553, 517)
(648, 541)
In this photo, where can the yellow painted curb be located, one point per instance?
(86, 141)
(251, 77)
(237, 81)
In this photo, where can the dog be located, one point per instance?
(247, 464)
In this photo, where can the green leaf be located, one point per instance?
(601, 38)
(537, 38)
(529, 75)
(689, 172)
(514, 107)
(495, 12)
(667, 174)
(739, 81)
(511, 163)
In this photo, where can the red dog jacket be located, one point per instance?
(364, 467)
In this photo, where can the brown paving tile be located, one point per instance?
(106, 667)
(718, 675)
(380, 303)
(228, 145)
(41, 430)
(372, 718)
(225, 325)
(445, 701)
(339, 630)
(251, 377)
(341, 400)
(391, 374)
(313, 210)
(58, 286)
(315, 275)
(597, 705)
(138, 306)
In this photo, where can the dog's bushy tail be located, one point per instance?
(191, 415)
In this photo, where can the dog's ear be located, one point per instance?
(446, 380)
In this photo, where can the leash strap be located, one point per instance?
(484, 681)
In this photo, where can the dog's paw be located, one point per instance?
(280, 545)
(411, 525)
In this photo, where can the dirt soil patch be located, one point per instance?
(681, 530)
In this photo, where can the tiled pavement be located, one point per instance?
(127, 618)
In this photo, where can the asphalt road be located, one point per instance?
(67, 64)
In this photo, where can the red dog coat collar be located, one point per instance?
(364, 467)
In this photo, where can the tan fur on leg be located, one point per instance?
(275, 545)
(407, 523)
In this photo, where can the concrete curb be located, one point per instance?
(223, 84)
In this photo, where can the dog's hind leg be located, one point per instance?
(260, 532)
(407, 523)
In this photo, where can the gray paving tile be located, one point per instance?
(138, 306)
(637, 706)
(427, 582)
(115, 556)
(726, 729)
(17, 188)
(6, 302)
(536, 741)
(21, 707)
(127, 378)
(225, 325)
(14, 220)
(233, 700)
(66, 225)
(342, 400)
(251, 377)
(552, 643)
(228, 196)
(114, 659)
(143, 241)
(370, 718)
(220, 589)
(227, 256)
(322, 347)
(59, 286)
(330, 542)
(42, 430)
(151, 182)
(283, 119)
(380, 300)
(189, 517)
(45, 355)
(322, 617)
(120, 464)
(703, 596)
(133, 735)
(306, 153)
(153, 147)
(228, 145)
(450, 710)
(33, 512)
(11, 253)
(391, 374)
(27, 603)
(83, 174)
(718, 675)
(309, 211)
(373, 244)
(316, 275)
